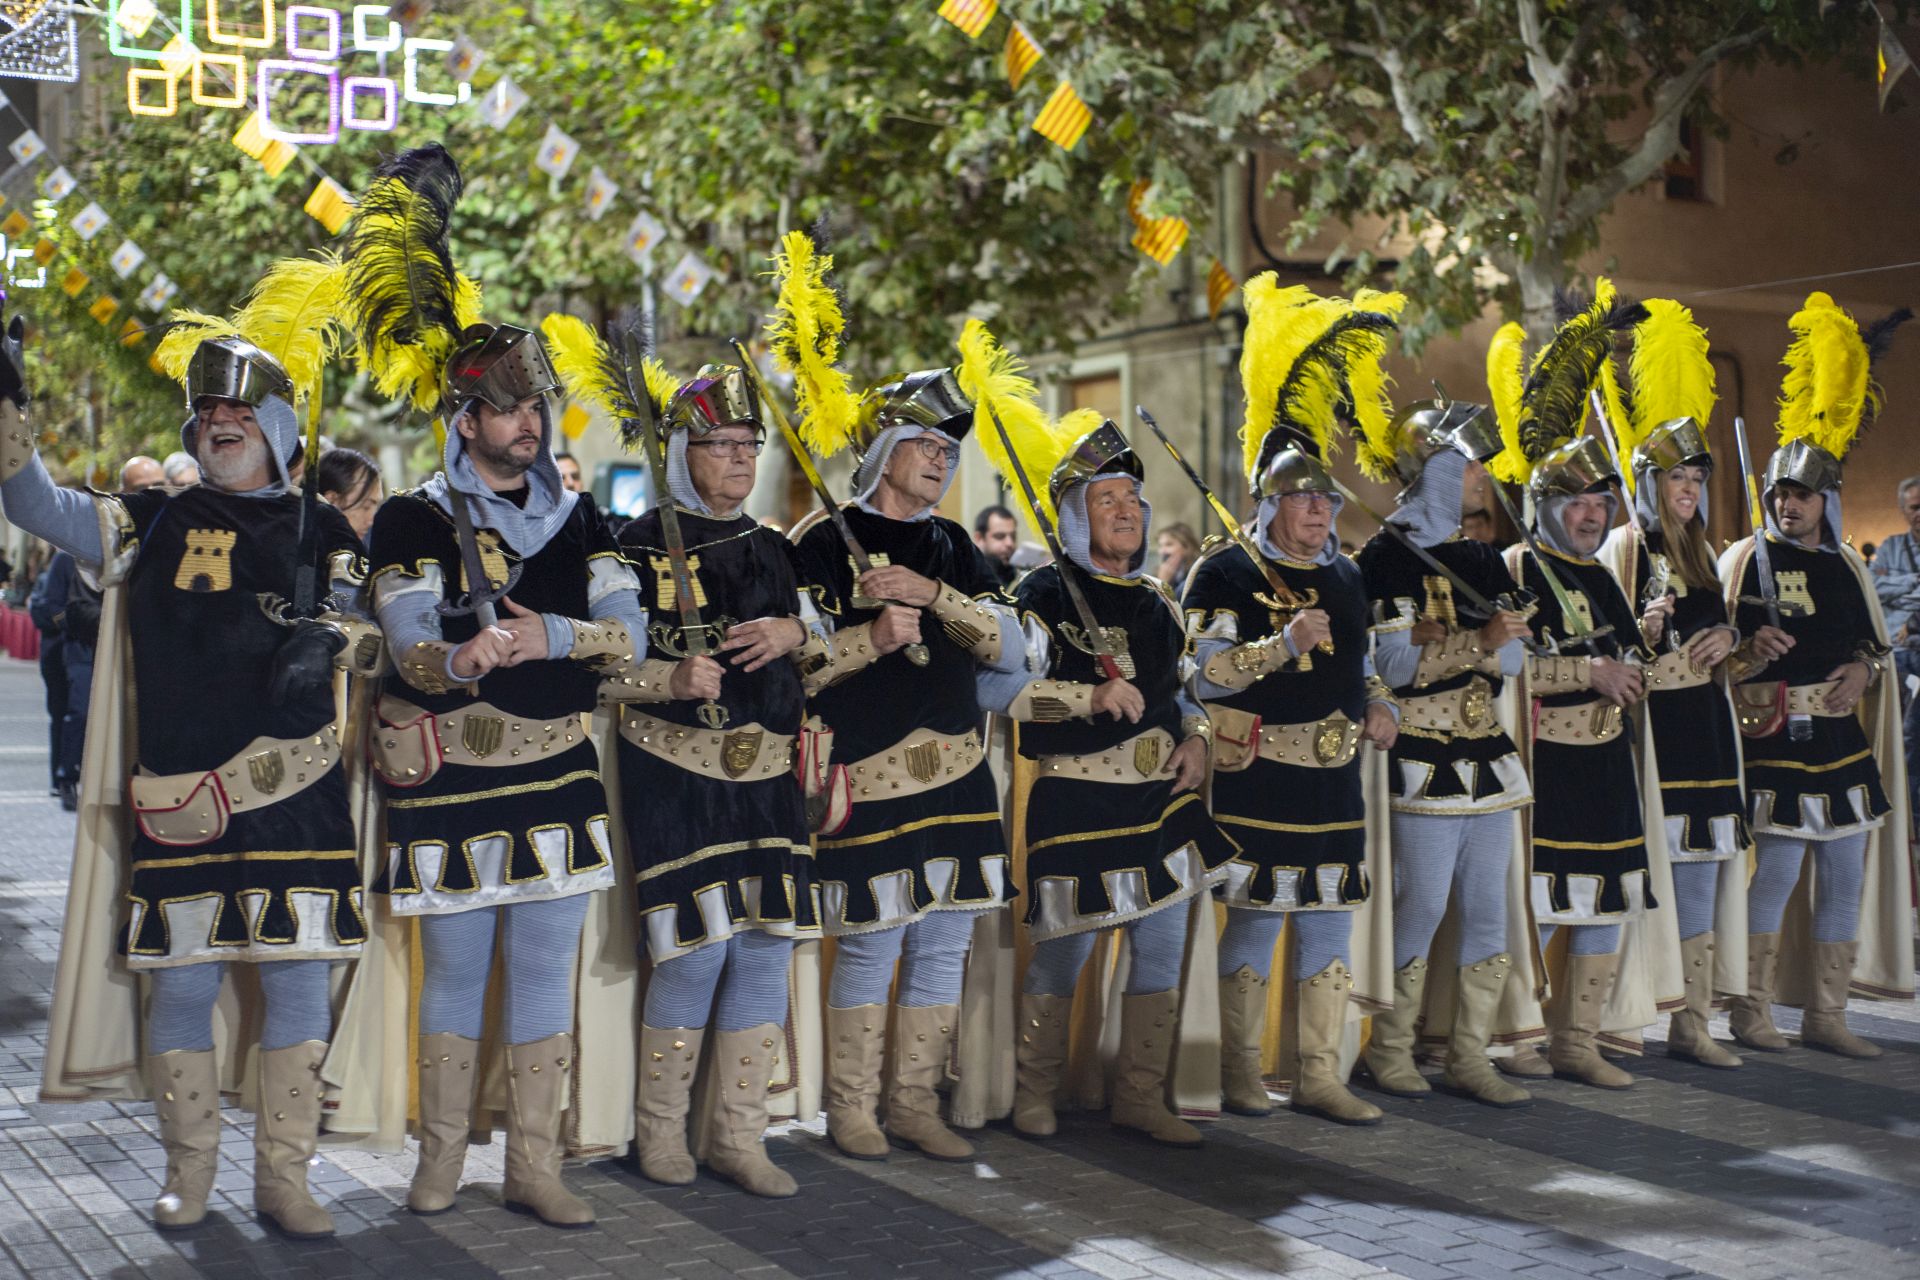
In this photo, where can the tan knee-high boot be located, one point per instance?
(1321, 1007)
(744, 1061)
(1390, 1043)
(859, 1039)
(923, 1038)
(539, 1076)
(1687, 1034)
(1573, 1052)
(447, 1076)
(1476, 1002)
(1243, 1020)
(667, 1060)
(285, 1133)
(1039, 1056)
(1825, 1023)
(1751, 1016)
(186, 1101)
(1149, 1027)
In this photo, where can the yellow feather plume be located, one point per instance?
(1506, 357)
(804, 332)
(992, 376)
(1619, 418)
(1825, 392)
(578, 353)
(1671, 374)
(1371, 390)
(468, 301)
(186, 330)
(297, 314)
(1279, 325)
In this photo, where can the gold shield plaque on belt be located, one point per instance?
(1146, 756)
(739, 749)
(923, 761)
(1329, 741)
(1606, 718)
(482, 734)
(1475, 701)
(267, 770)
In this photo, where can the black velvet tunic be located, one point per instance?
(549, 808)
(1589, 838)
(1694, 736)
(283, 881)
(712, 855)
(1436, 771)
(1099, 853)
(942, 848)
(1302, 830)
(1829, 784)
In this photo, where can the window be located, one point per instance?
(1687, 171)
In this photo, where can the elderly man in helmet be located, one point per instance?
(243, 849)
(921, 851)
(496, 814)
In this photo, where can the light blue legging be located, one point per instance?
(1839, 869)
(1696, 889)
(180, 1015)
(1587, 939)
(931, 953)
(681, 991)
(1467, 856)
(541, 943)
(1319, 938)
(1159, 942)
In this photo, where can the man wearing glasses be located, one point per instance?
(922, 850)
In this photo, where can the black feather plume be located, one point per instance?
(403, 291)
(1554, 401)
(1879, 335)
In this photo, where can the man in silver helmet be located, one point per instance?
(922, 851)
(716, 821)
(1456, 778)
(1589, 863)
(496, 815)
(1818, 781)
(242, 847)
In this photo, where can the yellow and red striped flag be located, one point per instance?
(1022, 52)
(1220, 287)
(1160, 238)
(1064, 118)
(971, 16)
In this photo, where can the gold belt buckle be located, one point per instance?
(482, 735)
(923, 761)
(1606, 718)
(267, 770)
(1146, 755)
(1475, 701)
(1329, 741)
(739, 749)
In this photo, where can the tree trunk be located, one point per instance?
(1539, 276)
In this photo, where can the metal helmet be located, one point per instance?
(1293, 468)
(720, 395)
(1424, 428)
(235, 369)
(1677, 442)
(1804, 463)
(499, 365)
(1578, 466)
(1101, 450)
(930, 399)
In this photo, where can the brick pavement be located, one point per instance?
(1802, 1164)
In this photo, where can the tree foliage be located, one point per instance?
(1464, 150)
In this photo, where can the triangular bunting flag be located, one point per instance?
(1064, 118)
(971, 16)
(1893, 61)
(1220, 287)
(330, 205)
(1021, 54)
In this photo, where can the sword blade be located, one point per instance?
(1757, 518)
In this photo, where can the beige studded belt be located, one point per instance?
(745, 754)
(1318, 744)
(409, 745)
(1811, 699)
(1468, 711)
(1673, 671)
(1140, 757)
(193, 808)
(918, 762)
(1585, 724)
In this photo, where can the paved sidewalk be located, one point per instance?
(1802, 1164)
